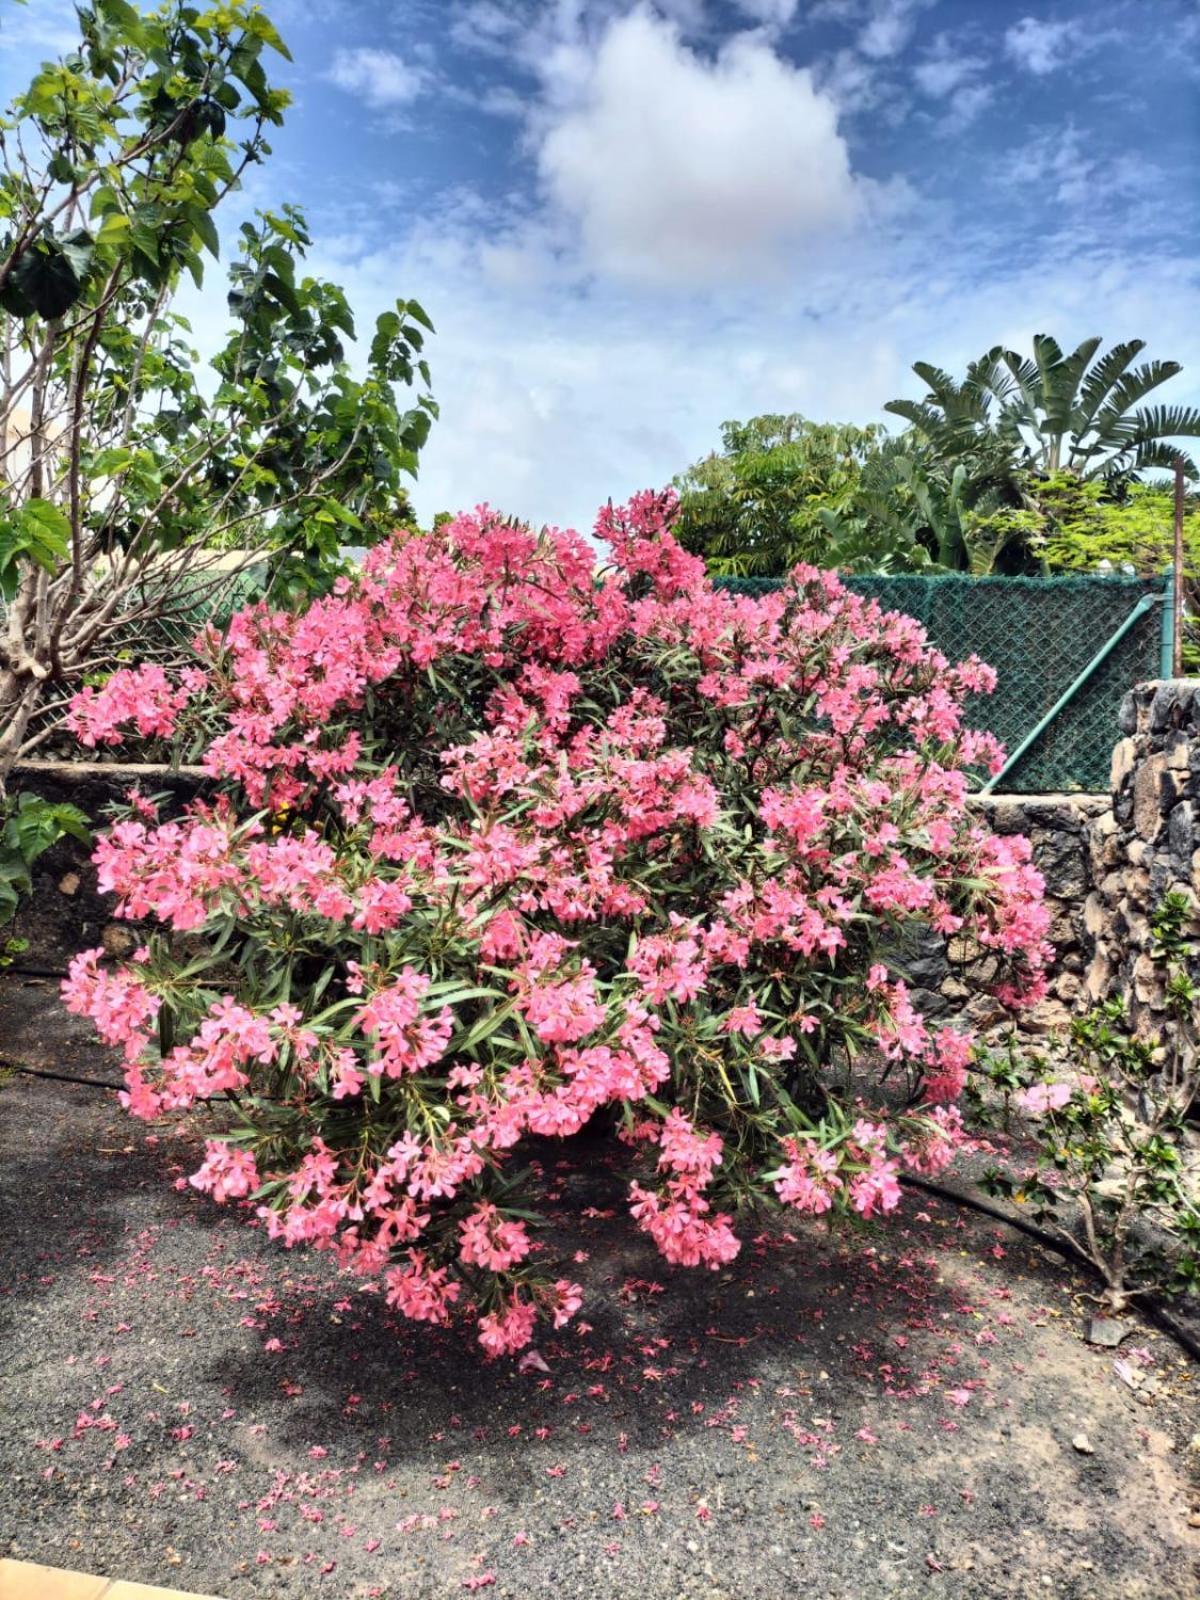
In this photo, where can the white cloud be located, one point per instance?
(965, 105)
(1057, 164)
(952, 75)
(678, 169)
(549, 408)
(484, 25)
(381, 77)
(944, 68)
(1040, 47)
(501, 100)
(551, 401)
(779, 12)
(852, 83)
(889, 27)
(55, 28)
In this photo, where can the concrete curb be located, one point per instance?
(27, 1580)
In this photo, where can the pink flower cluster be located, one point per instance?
(504, 841)
(143, 696)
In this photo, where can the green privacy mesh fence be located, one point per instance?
(1039, 634)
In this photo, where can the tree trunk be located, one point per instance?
(18, 700)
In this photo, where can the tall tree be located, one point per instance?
(759, 505)
(125, 478)
(1055, 411)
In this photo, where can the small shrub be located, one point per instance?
(503, 841)
(1108, 1120)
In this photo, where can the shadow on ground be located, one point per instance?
(908, 1411)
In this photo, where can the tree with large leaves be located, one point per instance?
(1080, 412)
(127, 475)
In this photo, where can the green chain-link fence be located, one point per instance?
(1040, 634)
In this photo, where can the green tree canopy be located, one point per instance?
(759, 505)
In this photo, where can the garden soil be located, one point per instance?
(909, 1410)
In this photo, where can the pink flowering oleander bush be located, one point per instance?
(503, 840)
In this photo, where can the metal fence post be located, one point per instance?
(1166, 655)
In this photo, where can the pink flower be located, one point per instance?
(488, 1240)
(228, 1173)
(809, 1181)
(507, 1331)
(420, 1291)
(1042, 1097)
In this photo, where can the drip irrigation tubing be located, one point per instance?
(57, 1077)
(88, 1083)
(1157, 1313)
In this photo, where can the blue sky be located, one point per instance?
(632, 219)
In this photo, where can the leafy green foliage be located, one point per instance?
(915, 512)
(28, 827)
(764, 502)
(37, 531)
(1079, 528)
(1022, 465)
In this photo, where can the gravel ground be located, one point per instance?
(909, 1411)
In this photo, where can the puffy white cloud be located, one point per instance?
(681, 169)
(1040, 47)
(382, 78)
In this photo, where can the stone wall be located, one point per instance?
(1107, 861)
(1148, 844)
(953, 982)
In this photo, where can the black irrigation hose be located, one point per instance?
(982, 1206)
(58, 1077)
(91, 1083)
(1157, 1314)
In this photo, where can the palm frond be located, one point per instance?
(1028, 382)
(1166, 422)
(1133, 387)
(991, 375)
(1060, 385)
(940, 384)
(1154, 453)
(1101, 378)
(918, 414)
